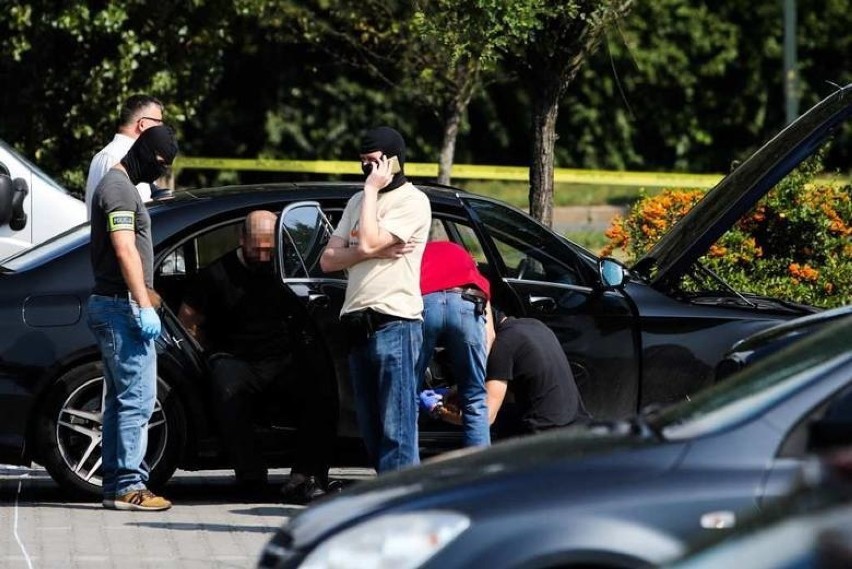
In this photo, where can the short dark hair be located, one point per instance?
(498, 315)
(133, 105)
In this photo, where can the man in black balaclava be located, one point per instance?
(122, 315)
(151, 154)
(380, 240)
(389, 142)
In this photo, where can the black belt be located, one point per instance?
(117, 296)
(468, 291)
(380, 318)
(362, 324)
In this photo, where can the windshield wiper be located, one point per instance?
(725, 285)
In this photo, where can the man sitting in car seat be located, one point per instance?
(251, 331)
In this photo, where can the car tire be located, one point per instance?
(69, 432)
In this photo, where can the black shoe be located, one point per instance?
(301, 489)
(254, 491)
(338, 486)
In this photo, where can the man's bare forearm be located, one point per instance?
(340, 258)
(450, 414)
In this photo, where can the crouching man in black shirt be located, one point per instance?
(251, 332)
(527, 359)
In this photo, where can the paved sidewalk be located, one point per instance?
(205, 528)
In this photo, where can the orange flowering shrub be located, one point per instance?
(795, 244)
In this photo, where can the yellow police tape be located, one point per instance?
(464, 171)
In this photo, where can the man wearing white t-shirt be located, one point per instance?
(380, 241)
(138, 113)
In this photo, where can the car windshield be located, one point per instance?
(757, 387)
(47, 250)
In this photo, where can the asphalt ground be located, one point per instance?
(209, 525)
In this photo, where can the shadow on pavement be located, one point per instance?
(35, 487)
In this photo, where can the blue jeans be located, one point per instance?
(130, 373)
(384, 385)
(453, 322)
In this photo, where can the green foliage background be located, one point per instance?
(677, 85)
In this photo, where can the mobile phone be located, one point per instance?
(394, 164)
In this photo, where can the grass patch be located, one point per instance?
(517, 193)
(594, 241)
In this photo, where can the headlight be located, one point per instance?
(395, 541)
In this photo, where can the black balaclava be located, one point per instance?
(141, 160)
(390, 143)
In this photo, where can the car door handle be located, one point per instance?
(543, 303)
(318, 300)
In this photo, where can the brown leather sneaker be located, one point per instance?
(140, 500)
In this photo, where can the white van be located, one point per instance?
(32, 206)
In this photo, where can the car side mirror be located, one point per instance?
(6, 192)
(612, 273)
(19, 216)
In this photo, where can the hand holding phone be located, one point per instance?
(379, 174)
(394, 165)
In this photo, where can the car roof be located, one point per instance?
(294, 191)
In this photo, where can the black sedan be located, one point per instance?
(651, 334)
(623, 494)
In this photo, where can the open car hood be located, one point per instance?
(739, 191)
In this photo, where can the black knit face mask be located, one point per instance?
(149, 157)
(390, 143)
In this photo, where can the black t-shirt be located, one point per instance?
(246, 312)
(527, 354)
(117, 206)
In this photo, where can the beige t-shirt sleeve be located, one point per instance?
(349, 218)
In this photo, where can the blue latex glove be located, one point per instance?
(149, 321)
(429, 400)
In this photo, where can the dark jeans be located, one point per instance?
(384, 383)
(238, 388)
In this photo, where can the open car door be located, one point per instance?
(303, 232)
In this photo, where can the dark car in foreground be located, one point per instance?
(633, 336)
(618, 494)
(766, 342)
(810, 529)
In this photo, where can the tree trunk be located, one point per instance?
(545, 109)
(551, 67)
(448, 145)
(465, 82)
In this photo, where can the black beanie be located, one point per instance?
(141, 160)
(390, 143)
(386, 139)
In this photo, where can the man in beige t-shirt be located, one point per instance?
(380, 241)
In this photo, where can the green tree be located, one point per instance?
(692, 86)
(453, 49)
(550, 58)
(67, 66)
